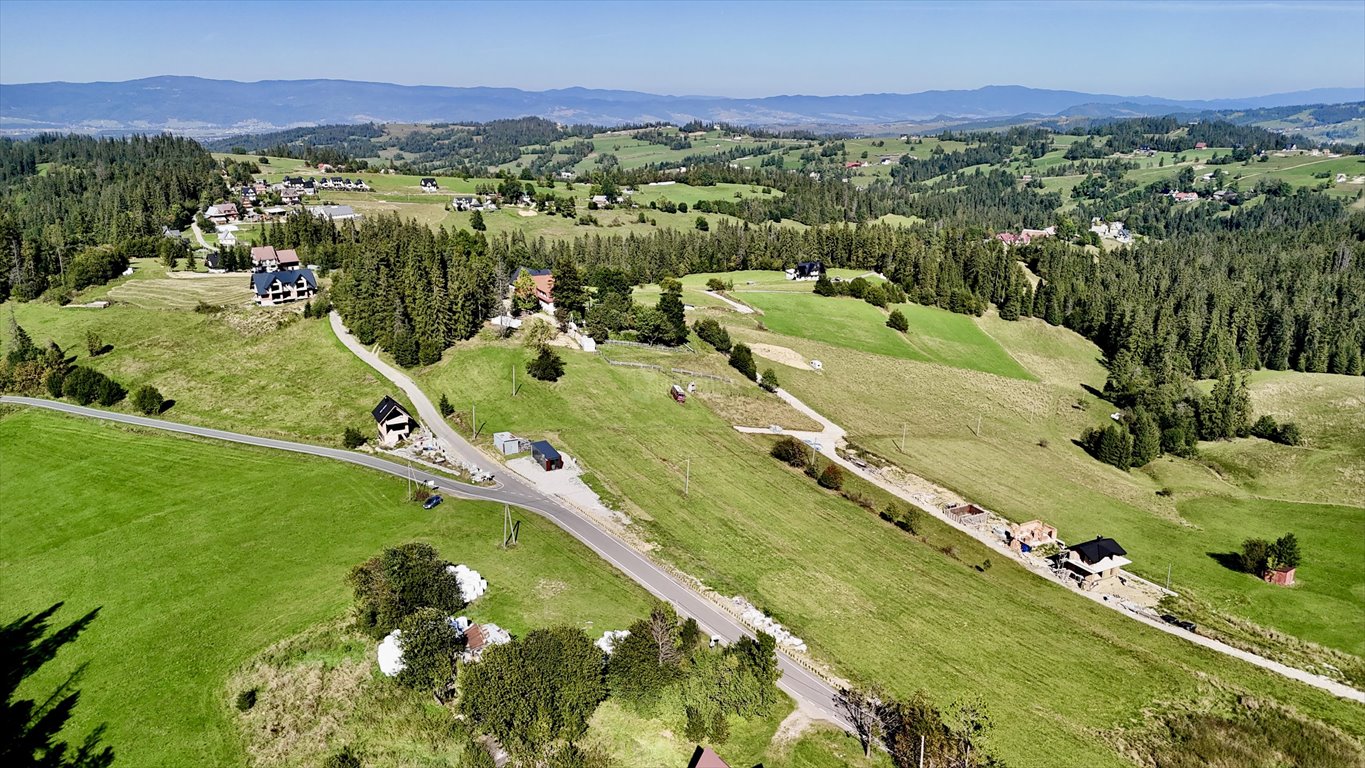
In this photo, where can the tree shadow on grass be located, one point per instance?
(166, 405)
(1229, 560)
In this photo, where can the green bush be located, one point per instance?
(246, 700)
(148, 399)
(713, 333)
(832, 477)
(897, 321)
(546, 366)
(791, 451)
(352, 438)
(742, 360)
(769, 381)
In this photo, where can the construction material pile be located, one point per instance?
(764, 623)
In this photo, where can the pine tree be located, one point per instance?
(1146, 438)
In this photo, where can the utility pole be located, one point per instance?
(687, 478)
(902, 437)
(473, 421)
(514, 380)
(1168, 576)
(978, 425)
(921, 751)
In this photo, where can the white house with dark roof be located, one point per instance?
(264, 258)
(283, 286)
(1094, 560)
(393, 421)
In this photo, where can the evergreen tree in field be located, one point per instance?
(444, 406)
(670, 307)
(546, 365)
(742, 360)
(769, 381)
(569, 291)
(30, 728)
(824, 286)
(897, 321)
(148, 399)
(476, 221)
(1146, 438)
(1284, 553)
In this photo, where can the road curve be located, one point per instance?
(811, 692)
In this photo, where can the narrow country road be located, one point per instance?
(829, 438)
(809, 690)
(199, 235)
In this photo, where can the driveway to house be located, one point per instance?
(743, 309)
(830, 436)
(199, 235)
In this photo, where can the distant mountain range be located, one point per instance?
(212, 108)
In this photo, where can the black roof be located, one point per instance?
(544, 449)
(385, 409)
(261, 280)
(1097, 549)
(211, 260)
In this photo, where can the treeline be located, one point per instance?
(1163, 134)
(62, 196)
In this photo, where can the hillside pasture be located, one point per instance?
(200, 555)
(852, 586)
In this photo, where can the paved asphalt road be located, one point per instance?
(811, 692)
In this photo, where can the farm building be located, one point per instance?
(1283, 577)
(480, 637)
(393, 421)
(1026, 537)
(1094, 560)
(333, 212)
(967, 514)
(546, 456)
(284, 286)
(430, 183)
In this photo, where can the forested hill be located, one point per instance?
(74, 208)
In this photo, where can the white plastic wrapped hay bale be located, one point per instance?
(391, 654)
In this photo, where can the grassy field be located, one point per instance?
(246, 369)
(200, 555)
(935, 335)
(1024, 464)
(876, 604)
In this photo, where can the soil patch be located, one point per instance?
(783, 355)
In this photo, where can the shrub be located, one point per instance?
(345, 758)
(1284, 553)
(769, 381)
(716, 284)
(398, 582)
(352, 438)
(742, 360)
(53, 381)
(713, 333)
(93, 343)
(148, 399)
(109, 392)
(1255, 554)
(546, 366)
(898, 321)
(791, 451)
(444, 406)
(832, 477)
(246, 700)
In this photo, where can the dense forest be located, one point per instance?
(73, 209)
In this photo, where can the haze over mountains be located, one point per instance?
(210, 108)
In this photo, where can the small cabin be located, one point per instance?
(676, 392)
(546, 456)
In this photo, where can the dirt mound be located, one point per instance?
(781, 355)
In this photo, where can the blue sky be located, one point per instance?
(1171, 49)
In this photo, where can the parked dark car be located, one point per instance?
(432, 502)
(1188, 626)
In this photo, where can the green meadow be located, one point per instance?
(870, 601)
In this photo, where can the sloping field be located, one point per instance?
(183, 293)
(199, 555)
(873, 602)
